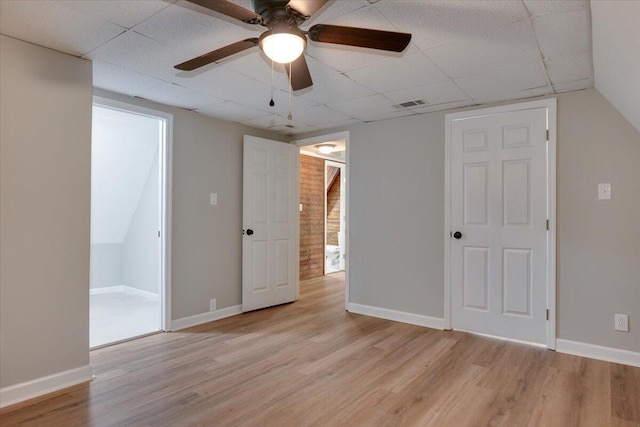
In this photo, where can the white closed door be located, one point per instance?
(499, 224)
(270, 223)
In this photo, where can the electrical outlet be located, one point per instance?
(622, 322)
(212, 305)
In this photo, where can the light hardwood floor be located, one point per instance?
(312, 363)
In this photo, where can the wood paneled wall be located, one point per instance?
(333, 211)
(311, 217)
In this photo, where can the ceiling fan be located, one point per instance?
(284, 42)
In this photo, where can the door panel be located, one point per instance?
(499, 204)
(270, 200)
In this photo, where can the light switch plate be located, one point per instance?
(213, 199)
(604, 191)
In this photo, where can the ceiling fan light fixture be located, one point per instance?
(325, 148)
(283, 47)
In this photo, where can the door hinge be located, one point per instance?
(547, 135)
(547, 224)
(547, 314)
(158, 233)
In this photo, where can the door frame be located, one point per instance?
(166, 173)
(343, 208)
(550, 104)
(319, 140)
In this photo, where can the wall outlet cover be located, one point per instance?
(212, 305)
(622, 322)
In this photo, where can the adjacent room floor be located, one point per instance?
(311, 363)
(119, 316)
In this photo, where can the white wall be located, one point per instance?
(397, 221)
(45, 143)
(141, 246)
(616, 61)
(123, 146)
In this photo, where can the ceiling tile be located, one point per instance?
(118, 79)
(539, 7)
(52, 25)
(335, 10)
(435, 22)
(562, 34)
(256, 66)
(125, 13)
(443, 107)
(511, 45)
(495, 84)
(398, 73)
(331, 86)
(180, 96)
(576, 85)
(142, 54)
(232, 111)
(522, 94)
(273, 120)
(373, 107)
(434, 93)
(569, 68)
(321, 116)
(193, 31)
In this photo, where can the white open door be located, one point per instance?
(499, 212)
(270, 223)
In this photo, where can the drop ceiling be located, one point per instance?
(462, 53)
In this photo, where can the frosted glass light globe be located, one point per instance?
(283, 47)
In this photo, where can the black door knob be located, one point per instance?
(457, 235)
(249, 232)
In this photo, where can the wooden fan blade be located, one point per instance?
(300, 78)
(230, 9)
(361, 37)
(307, 7)
(217, 55)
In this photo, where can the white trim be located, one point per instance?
(551, 214)
(592, 351)
(550, 105)
(199, 319)
(44, 385)
(166, 196)
(328, 138)
(125, 290)
(398, 316)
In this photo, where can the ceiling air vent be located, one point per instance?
(411, 104)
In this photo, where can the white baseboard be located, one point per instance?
(398, 316)
(199, 319)
(125, 289)
(592, 351)
(40, 386)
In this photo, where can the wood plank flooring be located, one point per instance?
(310, 363)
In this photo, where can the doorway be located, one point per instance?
(129, 207)
(500, 222)
(324, 207)
(334, 214)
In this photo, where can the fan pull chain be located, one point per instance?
(290, 116)
(271, 103)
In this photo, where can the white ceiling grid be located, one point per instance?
(463, 52)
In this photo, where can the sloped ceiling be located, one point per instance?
(463, 52)
(616, 55)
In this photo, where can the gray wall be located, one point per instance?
(397, 221)
(207, 240)
(106, 265)
(598, 241)
(141, 246)
(397, 214)
(45, 145)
